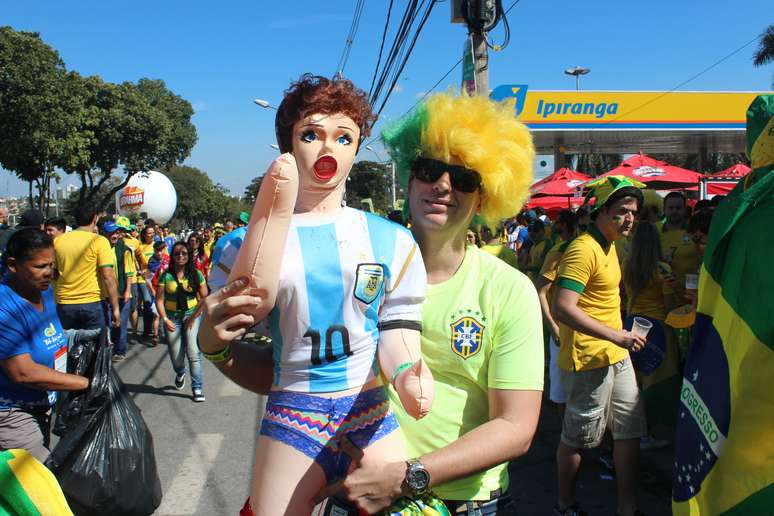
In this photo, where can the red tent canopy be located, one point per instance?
(737, 172)
(562, 183)
(656, 174)
(554, 204)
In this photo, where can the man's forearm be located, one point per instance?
(578, 320)
(250, 366)
(496, 441)
(545, 307)
(111, 286)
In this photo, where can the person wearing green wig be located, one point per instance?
(482, 336)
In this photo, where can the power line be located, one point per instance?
(381, 47)
(695, 76)
(387, 72)
(439, 81)
(350, 37)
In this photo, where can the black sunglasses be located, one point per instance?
(462, 179)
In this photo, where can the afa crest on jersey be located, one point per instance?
(369, 281)
(467, 336)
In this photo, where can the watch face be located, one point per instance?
(418, 479)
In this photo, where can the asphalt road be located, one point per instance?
(204, 451)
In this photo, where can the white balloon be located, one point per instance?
(149, 195)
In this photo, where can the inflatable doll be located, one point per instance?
(334, 282)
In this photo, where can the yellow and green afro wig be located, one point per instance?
(481, 134)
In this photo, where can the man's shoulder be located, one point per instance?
(493, 271)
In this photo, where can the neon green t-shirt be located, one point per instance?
(481, 330)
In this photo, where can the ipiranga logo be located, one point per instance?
(598, 109)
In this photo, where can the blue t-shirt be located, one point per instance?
(25, 329)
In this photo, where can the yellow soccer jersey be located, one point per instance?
(590, 267)
(78, 256)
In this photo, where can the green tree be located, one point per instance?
(132, 128)
(251, 190)
(765, 52)
(595, 164)
(38, 111)
(368, 180)
(198, 199)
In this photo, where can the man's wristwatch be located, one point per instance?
(417, 477)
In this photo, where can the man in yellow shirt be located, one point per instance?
(597, 371)
(494, 246)
(83, 259)
(564, 232)
(125, 272)
(676, 244)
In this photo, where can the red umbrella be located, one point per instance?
(554, 204)
(737, 172)
(656, 174)
(563, 183)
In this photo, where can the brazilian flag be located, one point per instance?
(724, 459)
(28, 488)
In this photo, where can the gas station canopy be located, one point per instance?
(620, 122)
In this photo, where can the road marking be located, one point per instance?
(182, 496)
(229, 388)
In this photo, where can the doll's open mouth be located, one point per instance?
(325, 168)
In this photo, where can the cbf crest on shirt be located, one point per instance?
(467, 335)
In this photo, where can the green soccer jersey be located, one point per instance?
(481, 330)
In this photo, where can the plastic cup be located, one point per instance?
(691, 282)
(641, 327)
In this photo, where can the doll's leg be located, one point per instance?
(285, 480)
(389, 448)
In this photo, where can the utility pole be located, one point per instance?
(481, 64)
(480, 16)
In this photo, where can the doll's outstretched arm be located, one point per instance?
(403, 366)
(260, 256)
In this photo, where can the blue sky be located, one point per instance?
(222, 55)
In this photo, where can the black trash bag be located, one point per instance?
(105, 461)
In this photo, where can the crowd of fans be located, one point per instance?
(103, 272)
(110, 272)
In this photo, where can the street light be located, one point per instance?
(577, 72)
(392, 172)
(264, 104)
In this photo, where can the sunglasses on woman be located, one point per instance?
(462, 179)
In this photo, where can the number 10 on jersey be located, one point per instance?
(330, 355)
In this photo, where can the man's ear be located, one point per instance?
(11, 264)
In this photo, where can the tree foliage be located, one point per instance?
(200, 201)
(594, 164)
(765, 52)
(251, 190)
(52, 118)
(38, 112)
(368, 180)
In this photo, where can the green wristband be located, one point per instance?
(219, 356)
(400, 369)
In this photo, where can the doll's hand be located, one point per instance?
(415, 389)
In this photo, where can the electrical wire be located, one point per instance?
(350, 37)
(381, 47)
(388, 71)
(695, 76)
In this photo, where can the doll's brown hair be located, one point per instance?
(316, 94)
